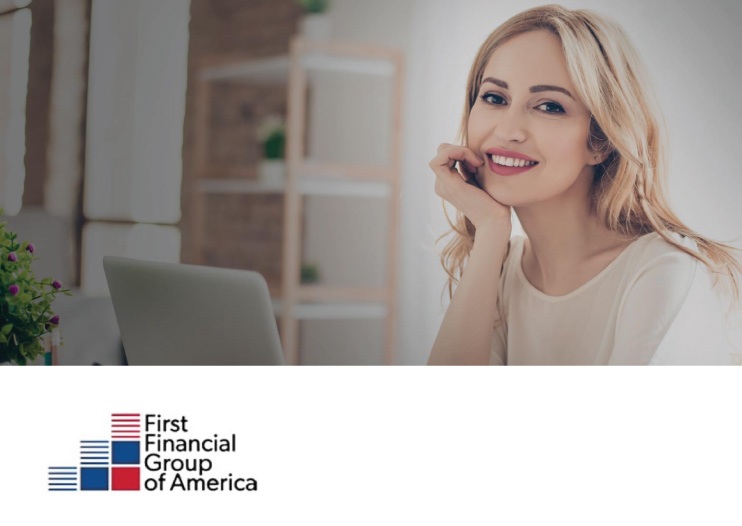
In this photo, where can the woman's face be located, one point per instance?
(549, 126)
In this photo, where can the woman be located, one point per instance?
(559, 125)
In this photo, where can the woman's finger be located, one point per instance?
(467, 171)
(450, 156)
(461, 153)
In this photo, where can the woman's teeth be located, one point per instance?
(509, 161)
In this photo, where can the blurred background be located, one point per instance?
(157, 130)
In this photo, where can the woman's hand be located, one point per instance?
(460, 188)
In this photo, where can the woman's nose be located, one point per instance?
(510, 126)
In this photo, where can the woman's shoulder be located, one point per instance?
(660, 269)
(654, 244)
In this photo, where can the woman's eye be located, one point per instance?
(559, 109)
(487, 95)
(555, 108)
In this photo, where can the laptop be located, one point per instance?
(176, 314)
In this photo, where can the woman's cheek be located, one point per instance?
(479, 125)
(566, 147)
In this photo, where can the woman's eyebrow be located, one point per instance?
(533, 89)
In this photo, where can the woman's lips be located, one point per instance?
(508, 170)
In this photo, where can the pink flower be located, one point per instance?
(57, 284)
(13, 289)
(12, 257)
(54, 320)
(30, 248)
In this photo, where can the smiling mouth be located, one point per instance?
(500, 169)
(525, 165)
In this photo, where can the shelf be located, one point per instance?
(307, 186)
(233, 185)
(334, 311)
(321, 292)
(322, 302)
(318, 293)
(313, 168)
(272, 70)
(275, 70)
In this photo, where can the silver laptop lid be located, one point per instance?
(176, 314)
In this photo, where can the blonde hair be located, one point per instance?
(629, 186)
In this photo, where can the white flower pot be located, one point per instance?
(315, 26)
(272, 171)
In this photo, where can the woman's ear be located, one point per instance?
(597, 158)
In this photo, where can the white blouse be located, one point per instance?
(652, 305)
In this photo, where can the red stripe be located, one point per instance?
(124, 414)
(125, 425)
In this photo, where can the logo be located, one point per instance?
(160, 459)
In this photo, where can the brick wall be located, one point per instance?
(236, 110)
(241, 231)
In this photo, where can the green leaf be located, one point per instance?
(3, 338)
(7, 328)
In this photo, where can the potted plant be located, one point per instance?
(272, 135)
(315, 25)
(310, 273)
(25, 303)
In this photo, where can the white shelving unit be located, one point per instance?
(304, 177)
(307, 186)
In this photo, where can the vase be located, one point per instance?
(315, 26)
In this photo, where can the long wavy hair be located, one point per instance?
(629, 186)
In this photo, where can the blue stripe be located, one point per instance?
(62, 478)
(62, 489)
(73, 467)
(95, 441)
